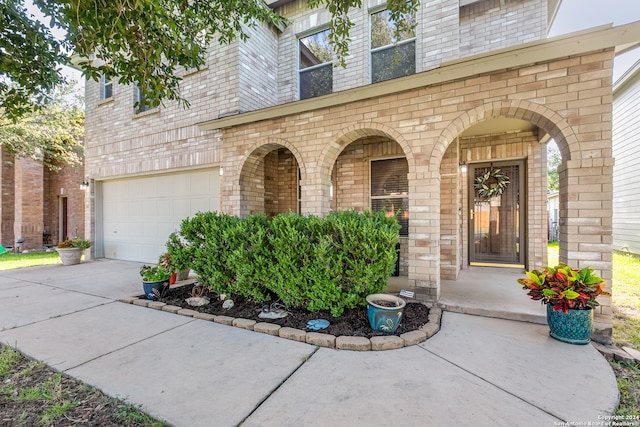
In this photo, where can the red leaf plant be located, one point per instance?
(564, 288)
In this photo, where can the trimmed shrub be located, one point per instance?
(320, 264)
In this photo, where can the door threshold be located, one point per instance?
(491, 264)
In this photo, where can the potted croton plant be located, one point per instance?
(570, 296)
(70, 250)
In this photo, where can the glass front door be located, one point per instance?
(496, 216)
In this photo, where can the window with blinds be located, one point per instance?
(390, 189)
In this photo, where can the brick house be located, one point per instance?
(38, 205)
(409, 125)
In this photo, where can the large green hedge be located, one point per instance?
(301, 261)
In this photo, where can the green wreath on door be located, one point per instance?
(492, 183)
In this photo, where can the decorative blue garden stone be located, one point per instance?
(382, 318)
(317, 324)
(573, 327)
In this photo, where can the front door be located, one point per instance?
(496, 217)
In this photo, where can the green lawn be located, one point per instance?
(9, 261)
(626, 301)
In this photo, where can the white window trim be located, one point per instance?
(372, 12)
(103, 84)
(299, 37)
(136, 98)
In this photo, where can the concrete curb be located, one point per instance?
(379, 343)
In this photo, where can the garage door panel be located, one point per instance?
(140, 213)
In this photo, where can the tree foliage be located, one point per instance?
(51, 135)
(29, 61)
(554, 159)
(143, 42)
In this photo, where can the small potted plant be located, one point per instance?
(384, 312)
(165, 262)
(155, 281)
(70, 250)
(570, 296)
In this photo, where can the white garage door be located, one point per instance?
(138, 214)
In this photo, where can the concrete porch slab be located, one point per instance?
(491, 292)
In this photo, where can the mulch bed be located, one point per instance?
(353, 322)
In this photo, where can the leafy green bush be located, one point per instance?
(320, 264)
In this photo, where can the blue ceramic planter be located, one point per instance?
(382, 318)
(153, 290)
(573, 327)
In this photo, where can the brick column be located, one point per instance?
(7, 199)
(586, 198)
(29, 202)
(424, 233)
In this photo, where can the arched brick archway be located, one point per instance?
(585, 228)
(344, 138)
(540, 115)
(251, 179)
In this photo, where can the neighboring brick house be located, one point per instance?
(273, 127)
(626, 151)
(37, 205)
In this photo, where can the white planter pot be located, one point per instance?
(69, 256)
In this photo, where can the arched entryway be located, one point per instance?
(270, 180)
(477, 141)
(369, 168)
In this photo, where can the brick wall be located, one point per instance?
(7, 199)
(569, 98)
(264, 71)
(258, 69)
(494, 24)
(28, 203)
(450, 219)
(64, 184)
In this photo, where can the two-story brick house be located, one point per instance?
(411, 125)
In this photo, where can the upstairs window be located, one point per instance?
(315, 65)
(392, 56)
(106, 88)
(390, 190)
(138, 98)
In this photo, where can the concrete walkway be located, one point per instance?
(475, 371)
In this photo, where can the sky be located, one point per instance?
(576, 15)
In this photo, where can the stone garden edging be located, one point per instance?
(343, 342)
